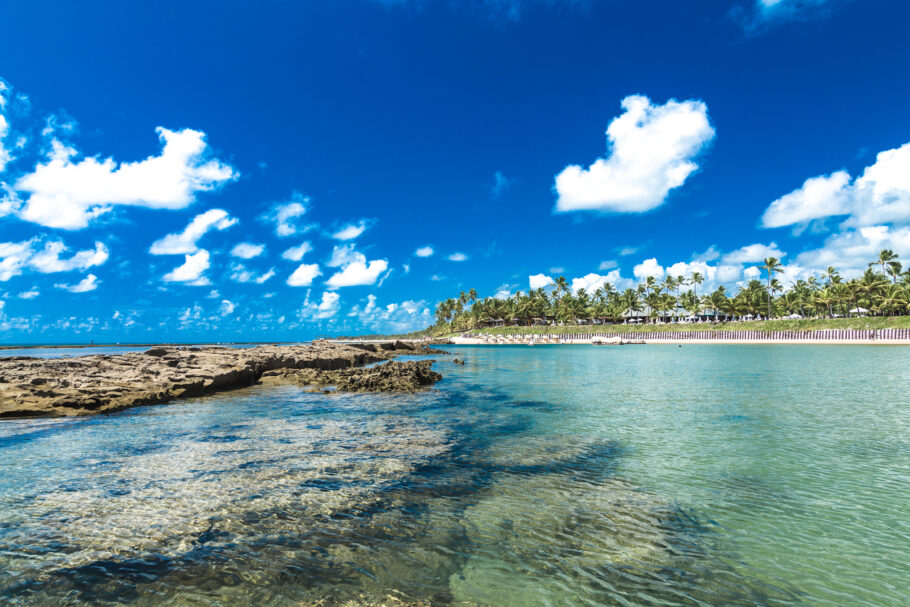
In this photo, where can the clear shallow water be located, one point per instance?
(702, 475)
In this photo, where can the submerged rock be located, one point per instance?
(102, 383)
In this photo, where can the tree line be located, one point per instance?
(883, 289)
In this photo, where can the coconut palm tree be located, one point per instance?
(885, 258)
(696, 279)
(772, 266)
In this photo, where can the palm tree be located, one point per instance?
(885, 257)
(560, 285)
(772, 266)
(894, 270)
(695, 280)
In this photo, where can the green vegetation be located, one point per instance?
(879, 298)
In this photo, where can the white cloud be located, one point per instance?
(66, 193)
(344, 254)
(240, 273)
(48, 259)
(426, 251)
(16, 257)
(350, 231)
(247, 250)
(5, 155)
(880, 195)
(851, 250)
(752, 273)
(538, 281)
(30, 294)
(227, 307)
(304, 275)
(358, 273)
(192, 271)
(753, 253)
(327, 308)
(817, 198)
(591, 282)
(89, 283)
(727, 273)
(297, 253)
(626, 251)
(458, 257)
(398, 317)
(285, 215)
(652, 151)
(186, 241)
(648, 267)
(607, 265)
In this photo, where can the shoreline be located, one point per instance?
(104, 383)
(722, 342)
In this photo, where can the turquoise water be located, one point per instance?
(654, 475)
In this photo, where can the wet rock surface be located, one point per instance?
(36, 387)
(409, 376)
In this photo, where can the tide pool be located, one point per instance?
(649, 475)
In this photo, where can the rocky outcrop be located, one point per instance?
(395, 376)
(103, 383)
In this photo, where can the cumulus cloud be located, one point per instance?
(753, 253)
(648, 267)
(186, 241)
(344, 254)
(17, 257)
(326, 308)
(30, 294)
(818, 197)
(880, 195)
(65, 192)
(357, 273)
(5, 155)
(192, 271)
(591, 282)
(304, 275)
(240, 273)
(399, 317)
(458, 257)
(286, 215)
(608, 264)
(48, 260)
(351, 231)
(89, 283)
(227, 307)
(247, 250)
(426, 251)
(538, 281)
(851, 250)
(297, 253)
(652, 149)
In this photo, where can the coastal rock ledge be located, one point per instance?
(85, 385)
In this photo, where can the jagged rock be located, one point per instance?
(102, 383)
(409, 376)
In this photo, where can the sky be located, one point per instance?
(231, 171)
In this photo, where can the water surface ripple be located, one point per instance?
(702, 475)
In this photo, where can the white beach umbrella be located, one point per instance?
(858, 311)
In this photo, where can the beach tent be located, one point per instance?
(859, 311)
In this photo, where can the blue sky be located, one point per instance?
(212, 171)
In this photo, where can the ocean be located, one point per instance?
(546, 475)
